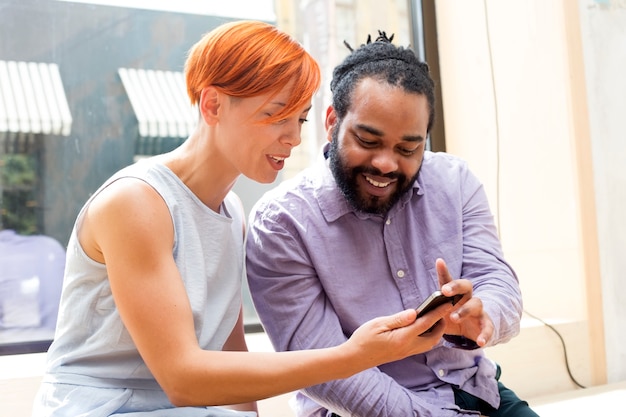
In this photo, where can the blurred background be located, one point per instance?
(530, 93)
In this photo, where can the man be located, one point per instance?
(376, 228)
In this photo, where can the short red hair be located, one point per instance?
(251, 58)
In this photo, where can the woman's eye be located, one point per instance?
(277, 122)
(303, 120)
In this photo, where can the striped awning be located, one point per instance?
(32, 100)
(159, 100)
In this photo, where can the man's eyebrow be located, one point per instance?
(373, 131)
(369, 129)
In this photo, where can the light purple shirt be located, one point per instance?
(318, 269)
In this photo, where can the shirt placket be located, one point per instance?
(396, 242)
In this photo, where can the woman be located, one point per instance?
(150, 319)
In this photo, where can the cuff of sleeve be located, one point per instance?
(459, 342)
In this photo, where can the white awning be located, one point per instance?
(160, 102)
(32, 99)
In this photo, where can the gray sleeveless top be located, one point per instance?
(92, 347)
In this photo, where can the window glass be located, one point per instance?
(88, 87)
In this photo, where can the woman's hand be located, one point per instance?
(390, 338)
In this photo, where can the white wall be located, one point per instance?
(513, 110)
(603, 28)
(505, 93)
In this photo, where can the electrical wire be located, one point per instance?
(497, 123)
(495, 115)
(569, 371)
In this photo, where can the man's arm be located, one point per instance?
(494, 281)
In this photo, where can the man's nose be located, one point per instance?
(385, 161)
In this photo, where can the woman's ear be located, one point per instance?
(330, 122)
(209, 104)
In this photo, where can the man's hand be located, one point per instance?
(468, 319)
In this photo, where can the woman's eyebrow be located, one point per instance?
(280, 103)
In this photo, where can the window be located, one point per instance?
(87, 88)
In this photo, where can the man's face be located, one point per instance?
(377, 149)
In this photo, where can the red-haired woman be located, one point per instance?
(150, 319)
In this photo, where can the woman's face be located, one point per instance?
(256, 149)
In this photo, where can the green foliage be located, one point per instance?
(18, 202)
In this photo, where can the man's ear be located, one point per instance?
(330, 122)
(209, 104)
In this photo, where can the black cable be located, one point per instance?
(569, 371)
(496, 116)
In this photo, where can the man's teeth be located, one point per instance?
(277, 158)
(376, 183)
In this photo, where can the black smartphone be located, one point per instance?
(433, 301)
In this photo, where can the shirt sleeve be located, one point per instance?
(293, 307)
(494, 280)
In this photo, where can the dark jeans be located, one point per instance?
(510, 404)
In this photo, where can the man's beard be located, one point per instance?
(346, 178)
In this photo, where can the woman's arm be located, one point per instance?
(128, 227)
(237, 342)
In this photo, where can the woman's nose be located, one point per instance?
(292, 135)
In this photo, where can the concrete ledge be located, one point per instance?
(604, 400)
(532, 363)
(16, 397)
(17, 394)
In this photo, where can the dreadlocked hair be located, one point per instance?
(396, 65)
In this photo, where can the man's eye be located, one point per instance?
(365, 143)
(407, 152)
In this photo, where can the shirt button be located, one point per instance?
(400, 273)
(441, 372)
(388, 222)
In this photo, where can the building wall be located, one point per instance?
(533, 96)
(322, 26)
(603, 29)
(90, 43)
